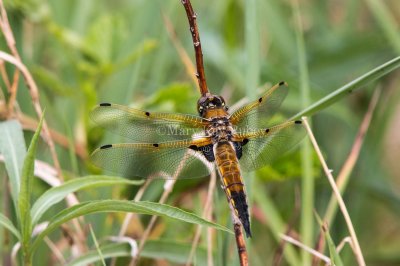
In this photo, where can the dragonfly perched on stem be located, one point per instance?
(241, 141)
(234, 142)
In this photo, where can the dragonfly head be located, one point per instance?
(209, 102)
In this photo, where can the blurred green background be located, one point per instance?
(85, 52)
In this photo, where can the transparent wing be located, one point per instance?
(258, 113)
(168, 160)
(261, 147)
(144, 126)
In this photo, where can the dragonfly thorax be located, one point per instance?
(220, 129)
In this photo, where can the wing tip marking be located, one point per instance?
(105, 104)
(298, 122)
(107, 146)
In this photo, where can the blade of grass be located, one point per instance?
(24, 196)
(57, 194)
(4, 221)
(334, 255)
(252, 51)
(307, 187)
(100, 254)
(313, 252)
(155, 249)
(142, 207)
(338, 94)
(12, 146)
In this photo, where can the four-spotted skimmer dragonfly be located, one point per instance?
(164, 142)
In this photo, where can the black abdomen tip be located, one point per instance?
(105, 104)
(106, 146)
(282, 83)
(298, 122)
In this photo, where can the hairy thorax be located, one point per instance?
(220, 130)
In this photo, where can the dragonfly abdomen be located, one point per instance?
(228, 167)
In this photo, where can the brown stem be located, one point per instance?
(201, 76)
(241, 245)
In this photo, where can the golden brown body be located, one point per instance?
(229, 170)
(228, 166)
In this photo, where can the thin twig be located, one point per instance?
(240, 243)
(314, 252)
(55, 251)
(345, 240)
(191, 15)
(357, 249)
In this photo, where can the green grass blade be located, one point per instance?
(154, 249)
(98, 250)
(12, 146)
(349, 87)
(24, 196)
(334, 255)
(108, 251)
(4, 221)
(57, 194)
(142, 207)
(307, 181)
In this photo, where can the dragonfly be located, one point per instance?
(233, 142)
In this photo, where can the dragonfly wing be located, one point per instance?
(261, 147)
(260, 111)
(143, 126)
(168, 160)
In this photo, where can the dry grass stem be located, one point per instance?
(357, 249)
(314, 252)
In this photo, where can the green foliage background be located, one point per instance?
(85, 52)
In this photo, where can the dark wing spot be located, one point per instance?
(260, 100)
(267, 130)
(155, 145)
(282, 83)
(245, 141)
(106, 146)
(147, 113)
(298, 122)
(105, 104)
(193, 147)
